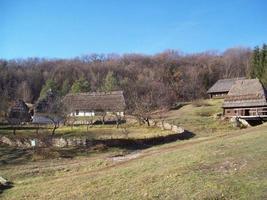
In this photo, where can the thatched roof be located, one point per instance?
(223, 85)
(246, 93)
(96, 101)
(19, 110)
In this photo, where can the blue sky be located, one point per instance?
(69, 28)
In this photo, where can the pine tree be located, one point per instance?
(264, 64)
(81, 85)
(50, 85)
(255, 71)
(110, 82)
(259, 64)
(65, 88)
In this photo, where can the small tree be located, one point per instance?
(147, 98)
(65, 88)
(50, 85)
(54, 112)
(110, 82)
(142, 108)
(81, 85)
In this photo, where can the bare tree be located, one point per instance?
(24, 92)
(3, 105)
(55, 112)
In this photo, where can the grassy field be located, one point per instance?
(94, 132)
(229, 166)
(220, 164)
(198, 118)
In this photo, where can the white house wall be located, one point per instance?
(83, 114)
(91, 114)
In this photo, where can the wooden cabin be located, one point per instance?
(221, 88)
(95, 103)
(19, 112)
(246, 99)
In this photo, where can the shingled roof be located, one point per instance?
(223, 85)
(246, 93)
(96, 101)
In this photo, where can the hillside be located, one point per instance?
(198, 118)
(224, 165)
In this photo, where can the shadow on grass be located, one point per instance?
(21, 128)
(139, 144)
(108, 122)
(5, 187)
(12, 155)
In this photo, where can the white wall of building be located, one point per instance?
(80, 113)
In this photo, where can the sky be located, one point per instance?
(70, 28)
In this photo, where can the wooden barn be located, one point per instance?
(95, 103)
(246, 99)
(19, 111)
(221, 88)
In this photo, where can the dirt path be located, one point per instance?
(111, 164)
(151, 152)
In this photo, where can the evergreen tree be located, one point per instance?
(50, 85)
(81, 85)
(259, 64)
(65, 88)
(110, 82)
(255, 71)
(264, 64)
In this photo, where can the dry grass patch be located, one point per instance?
(167, 172)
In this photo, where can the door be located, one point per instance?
(246, 112)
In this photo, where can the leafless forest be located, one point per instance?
(155, 81)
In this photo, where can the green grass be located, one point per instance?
(229, 166)
(220, 163)
(94, 132)
(198, 118)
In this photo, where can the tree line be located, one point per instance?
(148, 81)
(259, 63)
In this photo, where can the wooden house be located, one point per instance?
(247, 99)
(19, 112)
(95, 103)
(221, 88)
